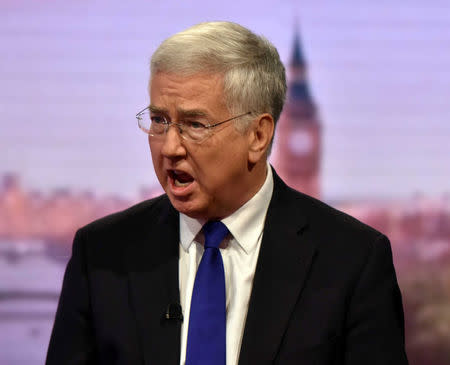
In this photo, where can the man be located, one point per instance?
(230, 266)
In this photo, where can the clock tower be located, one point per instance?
(298, 134)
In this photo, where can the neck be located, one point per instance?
(250, 184)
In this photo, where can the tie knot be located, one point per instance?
(215, 232)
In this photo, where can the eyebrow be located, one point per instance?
(182, 112)
(157, 110)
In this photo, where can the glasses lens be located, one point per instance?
(157, 125)
(194, 131)
(144, 121)
(153, 125)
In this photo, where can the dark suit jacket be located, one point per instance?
(324, 292)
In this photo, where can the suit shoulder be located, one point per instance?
(321, 216)
(333, 221)
(338, 236)
(105, 241)
(129, 217)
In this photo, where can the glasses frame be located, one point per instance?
(181, 127)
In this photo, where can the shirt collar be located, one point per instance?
(245, 224)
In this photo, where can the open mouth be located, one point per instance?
(180, 178)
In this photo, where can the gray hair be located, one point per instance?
(254, 76)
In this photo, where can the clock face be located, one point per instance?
(300, 142)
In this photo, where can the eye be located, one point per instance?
(192, 124)
(157, 119)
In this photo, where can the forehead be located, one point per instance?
(180, 92)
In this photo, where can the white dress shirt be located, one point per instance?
(239, 254)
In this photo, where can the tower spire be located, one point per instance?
(298, 141)
(298, 89)
(297, 59)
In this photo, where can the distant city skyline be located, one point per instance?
(74, 74)
(56, 216)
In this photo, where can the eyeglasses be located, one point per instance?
(190, 130)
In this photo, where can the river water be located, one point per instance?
(30, 282)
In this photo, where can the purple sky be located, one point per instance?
(74, 73)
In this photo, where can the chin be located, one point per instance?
(187, 208)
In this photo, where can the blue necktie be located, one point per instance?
(206, 343)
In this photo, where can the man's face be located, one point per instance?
(208, 180)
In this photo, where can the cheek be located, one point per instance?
(155, 152)
(204, 167)
(220, 171)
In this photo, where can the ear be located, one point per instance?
(260, 135)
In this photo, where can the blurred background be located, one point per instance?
(365, 128)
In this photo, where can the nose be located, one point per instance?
(173, 143)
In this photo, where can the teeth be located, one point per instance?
(175, 176)
(178, 183)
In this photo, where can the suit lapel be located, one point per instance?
(153, 279)
(283, 264)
